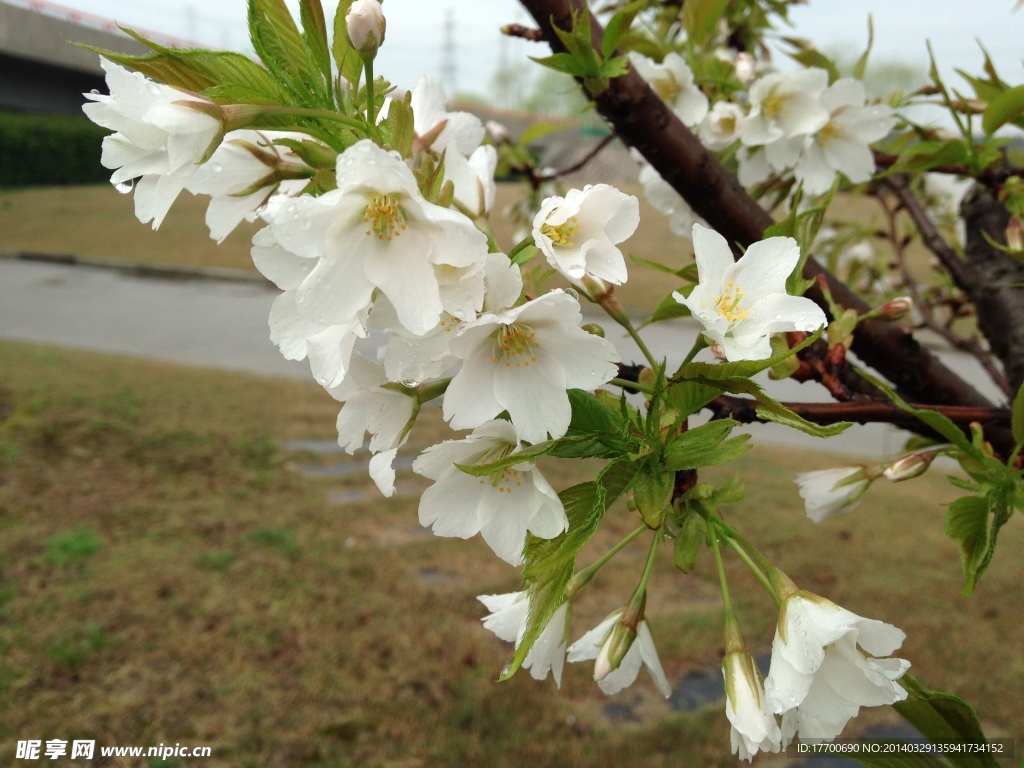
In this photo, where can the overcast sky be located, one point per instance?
(417, 33)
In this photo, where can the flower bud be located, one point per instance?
(593, 329)
(497, 131)
(745, 67)
(896, 309)
(366, 24)
(908, 467)
(614, 650)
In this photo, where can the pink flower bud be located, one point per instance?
(910, 466)
(366, 25)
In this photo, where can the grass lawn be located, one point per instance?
(166, 575)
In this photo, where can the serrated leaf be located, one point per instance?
(314, 32)
(651, 492)
(549, 563)
(689, 541)
(1017, 419)
(700, 18)
(705, 446)
(278, 43)
(688, 397)
(944, 719)
(741, 368)
(930, 154)
(966, 522)
(1004, 108)
(568, 63)
(401, 126)
(617, 26)
(774, 411)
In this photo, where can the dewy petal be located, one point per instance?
(649, 654)
(548, 652)
(766, 265)
(713, 256)
(589, 645)
(508, 614)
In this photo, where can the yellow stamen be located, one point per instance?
(384, 218)
(727, 305)
(561, 234)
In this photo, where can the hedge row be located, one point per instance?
(49, 149)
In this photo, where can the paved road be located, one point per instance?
(223, 324)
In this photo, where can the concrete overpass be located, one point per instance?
(40, 69)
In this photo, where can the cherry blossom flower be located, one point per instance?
(370, 407)
(376, 231)
(754, 727)
(826, 665)
(461, 131)
(242, 174)
(783, 106)
(827, 492)
(741, 304)
(673, 81)
(722, 125)
(842, 145)
(327, 346)
(502, 508)
(523, 360)
(158, 136)
(641, 653)
(578, 233)
(508, 621)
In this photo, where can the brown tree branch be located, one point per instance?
(860, 412)
(643, 121)
(604, 142)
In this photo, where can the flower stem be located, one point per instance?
(370, 105)
(581, 579)
(726, 601)
(699, 343)
(649, 568)
(632, 385)
(754, 569)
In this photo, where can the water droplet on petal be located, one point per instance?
(507, 669)
(124, 187)
(572, 293)
(216, 167)
(410, 383)
(94, 91)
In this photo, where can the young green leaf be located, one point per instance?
(700, 18)
(705, 446)
(1017, 419)
(1001, 109)
(651, 492)
(689, 540)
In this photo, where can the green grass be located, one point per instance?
(165, 575)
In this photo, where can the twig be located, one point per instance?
(971, 345)
(526, 33)
(604, 142)
(990, 176)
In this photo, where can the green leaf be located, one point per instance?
(689, 541)
(667, 309)
(930, 154)
(711, 372)
(862, 62)
(814, 58)
(651, 492)
(688, 397)
(1001, 109)
(617, 26)
(278, 43)
(400, 125)
(705, 446)
(944, 719)
(568, 63)
(966, 522)
(549, 563)
(700, 18)
(539, 131)
(1017, 420)
(314, 32)
(774, 411)
(350, 65)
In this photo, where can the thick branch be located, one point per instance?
(996, 282)
(859, 412)
(642, 121)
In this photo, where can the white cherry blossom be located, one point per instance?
(722, 125)
(641, 653)
(672, 80)
(754, 727)
(508, 621)
(241, 176)
(578, 233)
(742, 303)
(366, 25)
(502, 508)
(826, 665)
(663, 198)
(523, 360)
(371, 407)
(783, 106)
(842, 145)
(327, 346)
(158, 137)
(828, 492)
(461, 131)
(376, 231)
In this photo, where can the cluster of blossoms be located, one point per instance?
(782, 123)
(397, 300)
